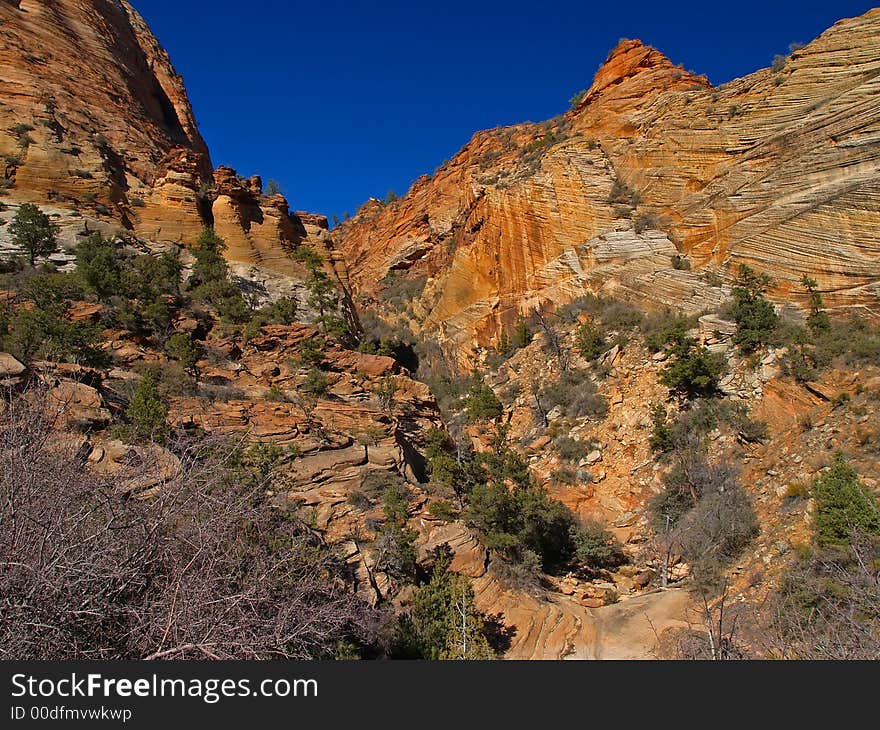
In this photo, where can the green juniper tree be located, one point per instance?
(843, 506)
(33, 232)
(755, 317)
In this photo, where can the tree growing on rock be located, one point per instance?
(33, 232)
(755, 317)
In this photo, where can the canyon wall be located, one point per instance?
(778, 170)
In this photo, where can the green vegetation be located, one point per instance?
(395, 541)
(694, 370)
(210, 280)
(689, 428)
(590, 341)
(33, 232)
(315, 383)
(818, 320)
(843, 506)
(323, 297)
(826, 342)
(281, 311)
(443, 623)
(147, 412)
(596, 548)
(828, 606)
(181, 347)
(755, 317)
(140, 292)
(482, 403)
(570, 449)
(45, 334)
(575, 394)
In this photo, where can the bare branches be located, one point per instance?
(197, 566)
(829, 606)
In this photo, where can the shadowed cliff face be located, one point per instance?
(100, 93)
(778, 170)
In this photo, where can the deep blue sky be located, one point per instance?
(339, 101)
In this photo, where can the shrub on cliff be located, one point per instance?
(693, 370)
(843, 506)
(482, 403)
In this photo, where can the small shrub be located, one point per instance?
(575, 393)
(483, 404)
(576, 100)
(622, 194)
(681, 263)
(797, 490)
(184, 349)
(666, 328)
(315, 382)
(443, 509)
(589, 341)
(754, 431)
(359, 501)
(843, 506)
(565, 475)
(693, 370)
(646, 221)
(276, 394)
(596, 548)
(147, 412)
(571, 449)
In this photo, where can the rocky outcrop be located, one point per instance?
(91, 103)
(778, 170)
(94, 118)
(175, 209)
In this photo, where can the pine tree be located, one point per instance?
(843, 506)
(32, 231)
(147, 411)
(755, 317)
(818, 320)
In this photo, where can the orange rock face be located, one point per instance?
(778, 170)
(102, 100)
(94, 117)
